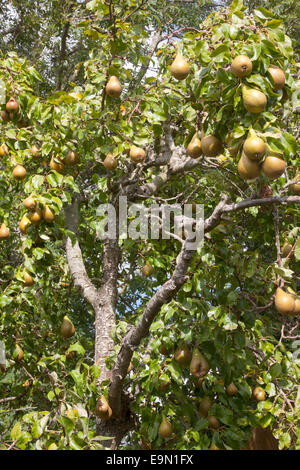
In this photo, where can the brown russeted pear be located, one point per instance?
(103, 410)
(213, 422)
(211, 145)
(113, 87)
(273, 167)
(180, 67)
(4, 232)
(254, 147)
(165, 429)
(67, 328)
(48, 214)
(199, 366)
(12, 106)
(19, 173)
(231, 389)
(24, 224)
(137, 154)
(255, 100)
(204, 406)
(284, 302)
(241, 66)
(72, 158)
(29, 203)
(194, 149)
(110, 162)
(278, 76)
(183, 355)
(248, 169)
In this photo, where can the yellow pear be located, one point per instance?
(28, 279)
(180, 67)
(4, 232)
(113, 87)
(72, 158)
(183, 355)
(19, 353)
(284, 302)
(278, 76)
(3, 150)
(231, 390)
(35, 216)
(147, 269)
(254, 147)
(255, 100)
(48, 215)
(259, 394)
(110, 162)
(56, 165)
(103, 410)
(295, 187)
(24, 224)
(29, 203)
(211, 145)
(273, 167)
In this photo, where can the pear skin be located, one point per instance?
(199, 366)
(103, 410)
(67, 328)
(180, 68)
(165, 429)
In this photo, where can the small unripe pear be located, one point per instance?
(255, 100)
(273, 167)
(213, 422)
(259, 394)
(183, 355)
(211, 145)
(278, 76)
(248, 169)
(194, 149)
(165, 429)
(199, 366)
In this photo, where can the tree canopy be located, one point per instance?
(145, 343)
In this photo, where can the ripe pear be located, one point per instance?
(194, 148)
(19, 353)
(199, 366)
(28, 279)
(254, 100)
(284, 302)
(183, 355)
(4, 232)
(295, 187)
(296, 310)
(110, 163)
(71, 159)
(24, 224)
(12, 106)
(165, 429)
(278, 76)
(286, 249)
(103, 410)
(259, 394)
(48, 215)
(213, 422)
(137, 154)
(147, 270)
(36, 216)
(205, 404)
(211, 145)
(180, 67)
(35, 151)
(29, 203)
(163, 385)
(232, 390)
(19, 173)
(273, 167)
(56, 166)
(241, 66)
(113, 87)
(248, 169)
(254, 147)
(3, 150)
(67, 328)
